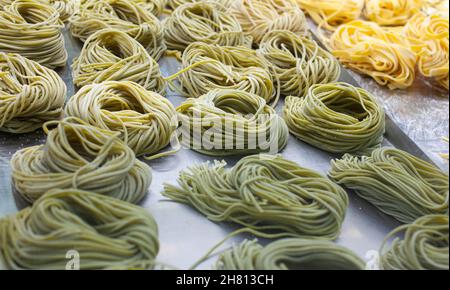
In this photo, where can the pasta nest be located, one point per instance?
(337, 118)
(330, 14)
(112, 55)
(242, 124)
(424, 245)
(286, 254)
(156, 7)
(32, 29)
(429, 37)
(258, 17)
(77, 155)
(174, 4)
(270, 195)
(145, 120)
(124, 15)
(65, 8)
(397, 183)
(392, 12)
(383, 55)
(206, 67)
(30, 94)
(206, 22)
(299, 62)
(106, 233)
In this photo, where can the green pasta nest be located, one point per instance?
(77, 155)
(299, 62)
(270, 195)
(146, 120)
(124, 15)
(30, 94)
(289, 254)
(113, 55)
(106, 233)
(424, 245)
(207, 22)
(337, 118)
(397, 183)
(208, 67)
(231, 122)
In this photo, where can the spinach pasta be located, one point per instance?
(32, 29)
(424, 245)
(145, 120)
(289, 254)
(206, 22)
(124, 15)
(258, 17)
(112, 55)
(337, 118)
(174, 4)
(207, 67)
(299, 62)
(231, 122)
(30, 94)
(77, 155)
(270, 195)
(397, 183)
(106, 233)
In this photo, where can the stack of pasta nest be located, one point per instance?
(389, 40)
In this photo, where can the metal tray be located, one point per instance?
(185, 235)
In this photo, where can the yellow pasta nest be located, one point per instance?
(429, 37)
(112, 55)
(331, 13)
(123, 15)
(32, 28)
(369, 49)
(258, 17)
(392, 12)
(30, 94)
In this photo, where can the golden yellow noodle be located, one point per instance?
(392, 12)
(429, 37)
(331, 13)
(366, 48)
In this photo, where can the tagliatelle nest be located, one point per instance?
(112, 55)
(392, 12)
(123, 15)
(259, 17)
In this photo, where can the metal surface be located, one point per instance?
(186, 235)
